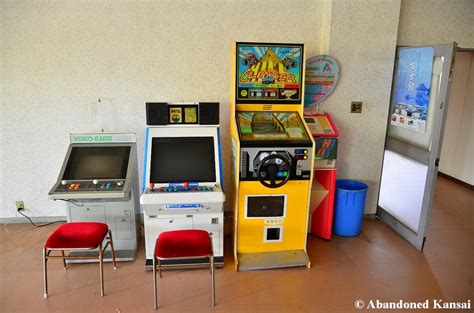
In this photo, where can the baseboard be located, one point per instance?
(457, 181)
(35, 219)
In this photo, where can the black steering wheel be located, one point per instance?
(271, 169)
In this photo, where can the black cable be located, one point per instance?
(42, 225)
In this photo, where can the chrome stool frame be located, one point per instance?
(157, 263)
(47, 252)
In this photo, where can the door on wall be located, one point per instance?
(458, 146)
(420, 91)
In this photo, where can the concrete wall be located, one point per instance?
(427, 22)
(362, 38)
(60, 58)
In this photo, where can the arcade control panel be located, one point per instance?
(187, 197)
(92, 185)
(180, 188)
(292, 162)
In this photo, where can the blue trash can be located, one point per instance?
(349, 207)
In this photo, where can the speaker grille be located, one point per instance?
(209, 113)
(156, 113)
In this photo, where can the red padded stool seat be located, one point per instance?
(183, 243)
(83, 235)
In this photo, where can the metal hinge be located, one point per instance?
(451, 70)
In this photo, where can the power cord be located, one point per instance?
(15, 232)
(42, 225)
(31, 222)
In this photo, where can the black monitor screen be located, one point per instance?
(265, 206)
(182, 159)
(97, 163)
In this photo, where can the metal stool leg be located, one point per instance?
(213, 283)
(58, 235)
(45, 272)
(101, 265)
(158, 258)
(112, 248)
(154, 283)
(64, 259)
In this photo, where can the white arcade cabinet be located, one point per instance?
(183, 174)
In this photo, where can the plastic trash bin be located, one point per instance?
(349, 207)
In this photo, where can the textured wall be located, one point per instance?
(427, 22)
(60, 58)
(363, 36)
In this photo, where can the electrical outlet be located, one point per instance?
(356, 107)
(20, 206)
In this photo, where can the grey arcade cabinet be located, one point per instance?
(98, 181)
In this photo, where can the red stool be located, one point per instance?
(78, 236)
(183, 244)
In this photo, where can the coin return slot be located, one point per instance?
(273, 234)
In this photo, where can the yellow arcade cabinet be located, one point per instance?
(272, 151)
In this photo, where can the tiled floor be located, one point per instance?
(376, 265)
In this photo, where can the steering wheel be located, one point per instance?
(271, 169)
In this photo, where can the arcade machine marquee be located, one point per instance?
(273, 157)
(99, 183)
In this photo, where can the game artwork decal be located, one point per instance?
(268, 73)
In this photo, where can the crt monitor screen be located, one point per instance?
(97, 163)
(182, 159)
(266, 206)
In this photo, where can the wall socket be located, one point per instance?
(20, 206)
(356, 107)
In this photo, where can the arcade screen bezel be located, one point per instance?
(272, 206)
(271, 141)
(210, 159)
(300, 61)
(76, 150)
